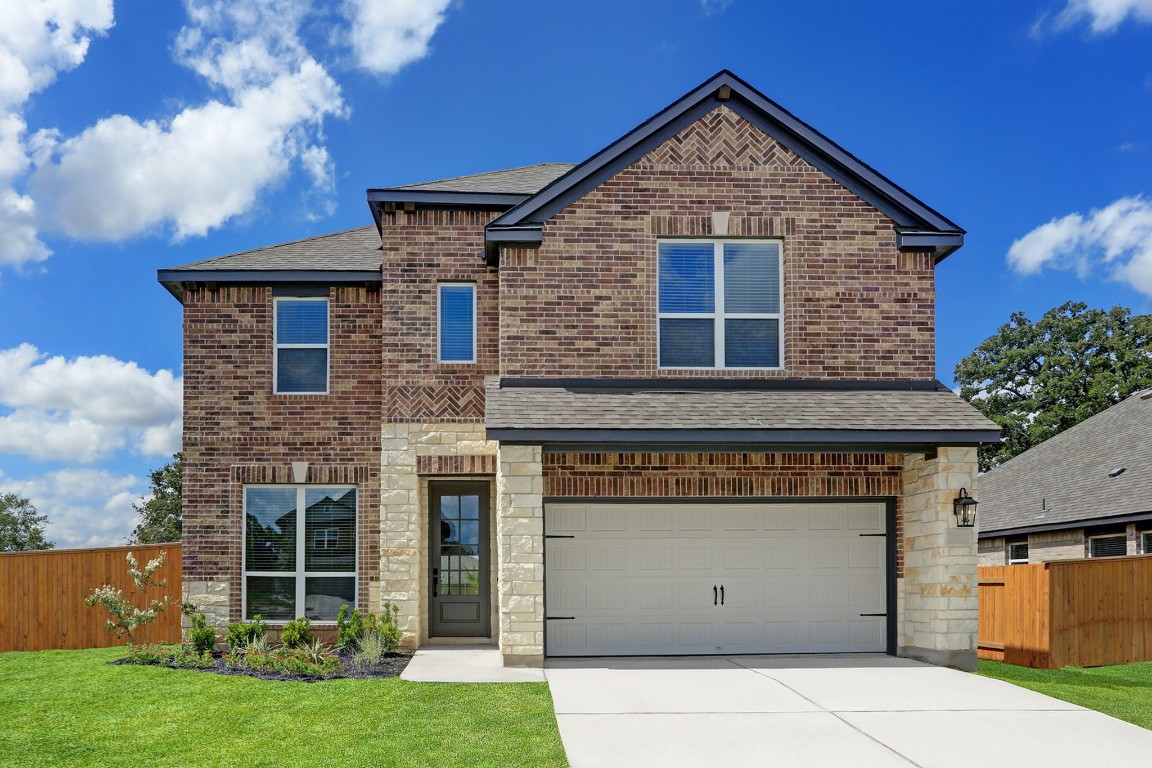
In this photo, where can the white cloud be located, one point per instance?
(85, 507)
(85, 409)
(1103, 15)
(210, 162)
(38, 40)
(714, 7)
(1117, 239)
(386, 35)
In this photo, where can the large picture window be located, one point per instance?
(719, 304)
(299, 551)
(301, 364)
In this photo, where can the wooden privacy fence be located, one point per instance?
(42, 596)
(1083, 613)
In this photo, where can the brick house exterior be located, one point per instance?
(564, 489)
(1086, 492)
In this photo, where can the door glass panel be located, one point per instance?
(460, 545)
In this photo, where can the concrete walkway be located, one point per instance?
(457, 663)
(860, 711)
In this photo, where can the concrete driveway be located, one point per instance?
(858, 711)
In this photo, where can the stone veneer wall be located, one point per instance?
(520, 540)
(939, 590)
(451, 451)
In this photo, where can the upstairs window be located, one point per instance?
(720, 304)
(301, 363)
(1108, 546)
(456, 310)
(1146, 543)
(1018, 553)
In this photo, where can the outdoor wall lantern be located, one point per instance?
(964, 507)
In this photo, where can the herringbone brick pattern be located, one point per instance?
(724, 139)
(435, 402)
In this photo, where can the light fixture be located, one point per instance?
(964, 507)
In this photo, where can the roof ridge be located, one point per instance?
(483, 173)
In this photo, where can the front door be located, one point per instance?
(459, 571)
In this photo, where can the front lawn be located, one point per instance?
(1123, 691)
(73, 708)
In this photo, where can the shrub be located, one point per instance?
(147, 654)
(243, 633)
(389, 631)
(352, 626)
(190, 659)
(201, 637)
(370, 652)
(297, 634)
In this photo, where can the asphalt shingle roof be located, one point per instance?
(525, 180)
(353, 250)
(598, 408)
(1066, 478)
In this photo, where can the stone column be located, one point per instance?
(400, 533)
(940, 584)
(520, 534)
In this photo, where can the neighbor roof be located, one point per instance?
(1066, 481)
(876, 415)
(918, 226)
(341, 257)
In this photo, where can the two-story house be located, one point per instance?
(679, 398)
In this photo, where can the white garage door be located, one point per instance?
(659, 578)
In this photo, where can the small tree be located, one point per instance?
(124, 617)
(161, 516)
(21, 529)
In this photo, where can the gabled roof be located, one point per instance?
(495, 190)
(351, 256)
(918, 227)
(764, 414)
(1068, 481)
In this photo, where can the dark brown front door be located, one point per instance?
(459, 570)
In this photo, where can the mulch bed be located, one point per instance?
(390, 666)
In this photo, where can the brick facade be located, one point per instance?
(236, 431)
(584, 305)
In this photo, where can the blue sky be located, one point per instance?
(140, 134)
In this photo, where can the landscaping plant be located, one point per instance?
(297, 633)
(125, 617)
(242, 633)
(201, 637)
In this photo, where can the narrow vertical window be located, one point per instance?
(301, 338)
(457, 316)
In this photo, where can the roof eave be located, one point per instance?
(380, 200)
(843, 440)
(174, 280)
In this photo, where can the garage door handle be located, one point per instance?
(721, 594)
(714, 594)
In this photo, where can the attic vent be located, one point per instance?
(1117, 472)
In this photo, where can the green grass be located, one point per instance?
(1123, 691)
(73, 708)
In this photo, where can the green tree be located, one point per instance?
(1038, 379)
(161, 520)
(21, 529)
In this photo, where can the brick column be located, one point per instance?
(940, 585)
(520, 534)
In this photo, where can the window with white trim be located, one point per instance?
(1018, 553)
(719, 304)
(301, 340)
(456, 312)
(1111, 545)
(1146, 542)
(287, 573)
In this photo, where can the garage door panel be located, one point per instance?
(640, 579)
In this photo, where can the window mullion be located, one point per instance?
(301, 527)
(718, 302)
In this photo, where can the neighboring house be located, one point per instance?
(1087, 492)
(678, 398)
